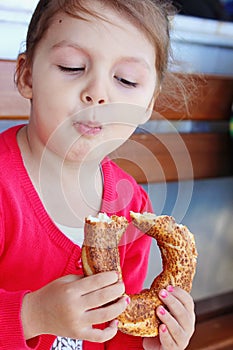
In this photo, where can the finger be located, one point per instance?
(173, 339)
(170, 324)
(103, 296)
(101, 336)
(184, 297)
(166, 339)
(106, 313)
(179, 321)
(184, 316)
(98, 281)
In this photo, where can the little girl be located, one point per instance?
(92, 70)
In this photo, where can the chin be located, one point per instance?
(81, 155)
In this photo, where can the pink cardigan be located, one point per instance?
(34, 252)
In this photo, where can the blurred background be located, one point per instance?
(192, 151)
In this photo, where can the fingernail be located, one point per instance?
(162, 311)
(163, 293)
(170, 288)
(163, 328)
(127, 300)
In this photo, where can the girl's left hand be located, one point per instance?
(177, 324)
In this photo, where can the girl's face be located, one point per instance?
(91, 83)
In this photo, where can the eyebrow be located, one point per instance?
(66, 43)
(76, 46)
(137, 60)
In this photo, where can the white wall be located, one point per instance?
(200, 44)
(203, 45)
(209, 217)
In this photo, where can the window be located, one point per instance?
(14, 18)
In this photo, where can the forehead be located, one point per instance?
(97, 9)
(108, 26)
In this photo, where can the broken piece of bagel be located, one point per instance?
(102, 235)
(178, 252)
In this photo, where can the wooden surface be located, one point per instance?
(155, 158)
(214, 326)
(218, 305)
(159, 157)
(12, 104)
(214, 334)
(211, 98)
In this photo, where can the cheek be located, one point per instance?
(117, 134)
(54, 105)
(52, 93)
(143, 98)
(148, 91)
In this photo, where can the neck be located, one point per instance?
(70, 191)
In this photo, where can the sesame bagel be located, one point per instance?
(178, 253)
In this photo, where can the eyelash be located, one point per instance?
(71, 69)
(126, 82)
(81, 69)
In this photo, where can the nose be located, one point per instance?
(94, 93)
(87, 98)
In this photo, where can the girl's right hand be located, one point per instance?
(71, 305)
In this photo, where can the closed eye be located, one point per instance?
(71, 69)
(126, 82)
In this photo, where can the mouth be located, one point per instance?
(88, 128)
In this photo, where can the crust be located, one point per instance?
(178, 252)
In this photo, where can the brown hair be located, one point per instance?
(151, 16)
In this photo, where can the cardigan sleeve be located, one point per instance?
(11, 330)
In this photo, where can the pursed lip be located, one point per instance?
(88, 127)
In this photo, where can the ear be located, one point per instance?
(149, 110)
(151, 105)
(24, 77)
